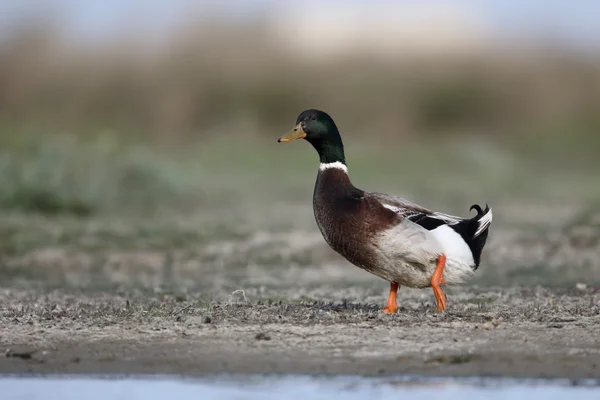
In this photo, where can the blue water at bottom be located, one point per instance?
(76, 387)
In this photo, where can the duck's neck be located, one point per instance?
(330, 148)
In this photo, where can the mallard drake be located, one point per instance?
(388, 236)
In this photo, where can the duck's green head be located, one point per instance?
(318, 128)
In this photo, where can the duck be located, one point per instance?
(391, 237)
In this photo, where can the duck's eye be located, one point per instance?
(313, 117)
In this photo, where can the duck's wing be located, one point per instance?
(414, 212)
(448, 229)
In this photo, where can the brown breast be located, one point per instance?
(349, 218)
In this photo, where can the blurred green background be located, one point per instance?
(138, 139)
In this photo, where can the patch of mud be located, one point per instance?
(508, 332)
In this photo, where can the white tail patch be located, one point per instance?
(483, 223)
(453, 244)
(336, 165)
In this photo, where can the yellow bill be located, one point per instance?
(296, 133)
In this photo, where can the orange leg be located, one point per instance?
(436, 280)
(391, 305)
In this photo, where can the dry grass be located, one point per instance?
(216, 80)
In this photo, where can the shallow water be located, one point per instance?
(289, 387)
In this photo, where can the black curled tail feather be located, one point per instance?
(479, 210)
(474, 231)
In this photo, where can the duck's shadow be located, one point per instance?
(356, 308)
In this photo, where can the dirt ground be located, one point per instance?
(261, 292)
(524, 332)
